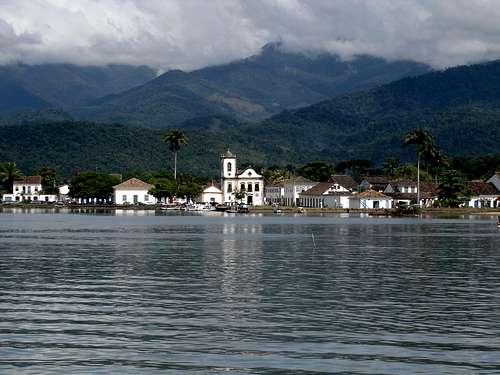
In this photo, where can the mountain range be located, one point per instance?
(460, 106)
(250, 89)
(64, 86)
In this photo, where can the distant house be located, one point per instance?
(377, 183)
(133, 191)
(333, 194)
(28, 189)
(485, 195)
(405, 191)
(293, 187)
(212, 194)
(495, 180)
(370, 199)
(275, 193)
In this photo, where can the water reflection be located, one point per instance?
(150, 293)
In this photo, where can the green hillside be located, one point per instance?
(251, 89)
(460, 106)
(64, 85)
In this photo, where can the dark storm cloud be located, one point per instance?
(187, 34)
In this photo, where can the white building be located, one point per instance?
(293, 188)
(406, 192)
(370, 199)
(275, 193)
(333, 194)
(247, 181)
(485, 195)
(28, 189)
(133, 191)
(212, 194)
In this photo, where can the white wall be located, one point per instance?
(142, 197)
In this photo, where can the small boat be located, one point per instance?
(196, 207)
(221, 208)
(276, 209)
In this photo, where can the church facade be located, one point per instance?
(246, 186)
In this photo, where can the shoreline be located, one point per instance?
(269, 209)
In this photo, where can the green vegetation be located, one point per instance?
(49, 180)
(64, 85)
(251, 89)
(88, 185)
(8, 173)
(317, 171)
(452, 189)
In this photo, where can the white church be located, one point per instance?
(233, 181)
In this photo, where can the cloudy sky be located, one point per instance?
(189, 34)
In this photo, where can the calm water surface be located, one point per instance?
(135, 293)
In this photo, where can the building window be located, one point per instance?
(124, 198)
(249, 187)
(229, 188)
(229, 167)
(136, 199)
(146, 198)
(257, 187)
(242, 186)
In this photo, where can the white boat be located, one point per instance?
(197, 207)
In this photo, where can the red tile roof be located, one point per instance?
(28, 180)
(483, 188)
(371, 194)
(133, 184)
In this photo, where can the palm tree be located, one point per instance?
(8, 173)
(426, 147)
(176, 138)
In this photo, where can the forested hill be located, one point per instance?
(251, 89)
(64, 85)
(461, 106)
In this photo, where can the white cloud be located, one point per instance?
(188, 34)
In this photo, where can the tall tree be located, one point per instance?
(175, 138)
(88, 185)
(8, 173)
(453, 189)
(317, 171)
(49, 179)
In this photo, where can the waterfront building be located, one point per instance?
(405, 192)
(28, 189)
(212, 194)
(274, 193)
(292, 189)
(377, 183)
(485, 195)
(234, 181)
(333, 194)
(133, 191)
(370, 199)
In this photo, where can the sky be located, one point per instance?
(190, 34)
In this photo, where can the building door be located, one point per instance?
(249, 199)
(136, 199)
(376, 204)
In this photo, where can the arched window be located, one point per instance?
(229, 167)
(257, 187)
(229, 188)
